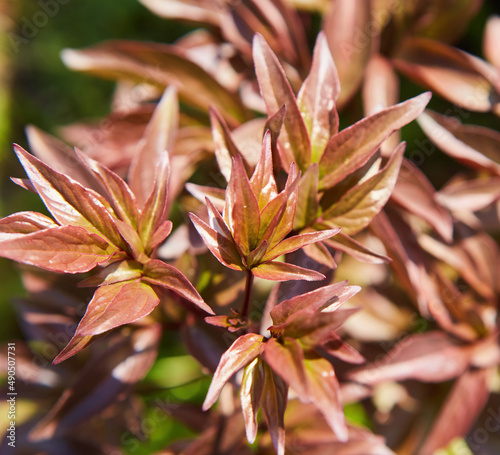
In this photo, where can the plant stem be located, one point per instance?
(245, 310)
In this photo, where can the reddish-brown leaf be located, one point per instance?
(429, 357)
(279, 271)
(158, 64)
(115, 305)
(220, 246)
(473, 195)
(262, 181)
(24, 223)
(114, 273)
(65, 249)
(154, 212)
(244, 213)
(120, 195)
(326, 297)
(298, 241)
(317, 96)
(474, 146)
(245, 349)
(161, 274)
(352, 147)
(277, 92)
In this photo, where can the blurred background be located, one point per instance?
(36, 88)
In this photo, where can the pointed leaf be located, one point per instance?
(244, 214)
(75, 345)
(331, 296)
(274, 124)
(250, 394)
(165, 275)
(158, 138)
(352, 147)
(279, 271)
(360, 205)
(307, 209)
(155, 209)
(277, 92)
(220, 246)
(115, 305)
(459, 77)
(243, 351)
(325, 394)
(262, 181)
(59, 156)
(298, 241)
(65, 249)
(287, 361)
(317, 96)
(68, 201)
(347, 244)
(273, 405)
(225, 148)
(120, 195)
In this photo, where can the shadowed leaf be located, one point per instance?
(307, 209)
(24, 223)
